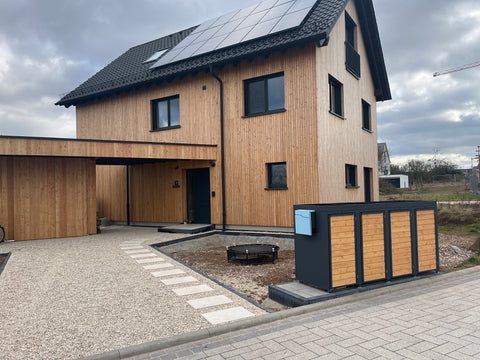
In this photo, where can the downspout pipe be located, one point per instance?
(222, 148)
(128, 195)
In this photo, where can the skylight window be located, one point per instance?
(156, 56)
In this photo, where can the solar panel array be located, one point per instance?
(265, 18)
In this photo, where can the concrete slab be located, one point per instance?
(227, 315)
(136, 256)
(149, 260)
(209, 301)
(168, 272)
(158, 266)
(192, 290)
(179, 280)
(186, 228)
(295, 293)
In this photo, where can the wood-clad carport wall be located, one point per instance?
(47, 197)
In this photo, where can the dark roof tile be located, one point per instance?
(130, 70)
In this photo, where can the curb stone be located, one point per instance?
(202, 334)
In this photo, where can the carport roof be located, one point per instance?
(105, 151)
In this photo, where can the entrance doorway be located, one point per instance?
(367, 176)
(198, 196)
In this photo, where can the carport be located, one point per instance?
(48, 185)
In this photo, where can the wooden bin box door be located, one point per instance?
(373, 247)
(426, 241)
(401, 243)
(342, 241)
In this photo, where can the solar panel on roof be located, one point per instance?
(265, 18)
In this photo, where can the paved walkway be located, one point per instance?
(434, 318)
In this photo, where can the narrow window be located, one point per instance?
(352, 58)
(166, 113)
(350, 30)
(264, 95)
(335, 96)
(277, 176)
(350, 176)
(366, 121)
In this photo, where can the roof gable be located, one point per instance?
(130, 70)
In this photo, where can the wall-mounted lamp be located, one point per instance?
(211, 163)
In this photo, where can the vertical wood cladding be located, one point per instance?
(401, 243)
(250, 143)
(427, 257)
(47, 197)
(342, 230)
(373, 247)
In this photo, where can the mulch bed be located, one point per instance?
(2, 259)
(253, 280)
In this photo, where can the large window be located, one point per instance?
(351, 176)
(366, 121)
(166, 113)
(277, 176)
(264, 95)
(352, 60)
(336, 101)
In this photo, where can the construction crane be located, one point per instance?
(460, 68)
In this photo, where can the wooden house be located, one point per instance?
(231, 122)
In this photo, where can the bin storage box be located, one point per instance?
(357, 243)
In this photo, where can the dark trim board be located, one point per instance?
(7, 256)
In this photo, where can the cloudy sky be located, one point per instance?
(48, 47)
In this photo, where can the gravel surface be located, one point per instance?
(73, 297)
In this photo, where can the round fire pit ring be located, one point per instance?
(253, 253)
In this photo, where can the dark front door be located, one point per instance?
(367, 175)
(198, 195)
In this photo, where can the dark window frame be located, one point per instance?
(246, 94)
(366, 116)
(350, 31)
(352, 58)
(168, 99)
(351, 176)
(270, 184)
(335, 91)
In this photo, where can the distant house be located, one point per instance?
(383, 160)
(231, 122)
(397, 180)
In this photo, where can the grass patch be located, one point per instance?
(428, 192)
(473, 260)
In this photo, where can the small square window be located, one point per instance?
(336, 101)
(264, 95)
(351, 176)
(366, 121)
(277, 176)
(166, 113)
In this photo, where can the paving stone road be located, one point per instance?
(436, 318)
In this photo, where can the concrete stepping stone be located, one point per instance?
(192, 290)
(158, 266)
(137, 251)
(149, 260)
(223, 316)
(209, 301)
(167, 272)
(132, 247)
(178, 280)
(149, 254)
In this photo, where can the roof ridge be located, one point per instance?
(166, 36)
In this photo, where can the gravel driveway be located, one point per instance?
(72, 297)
